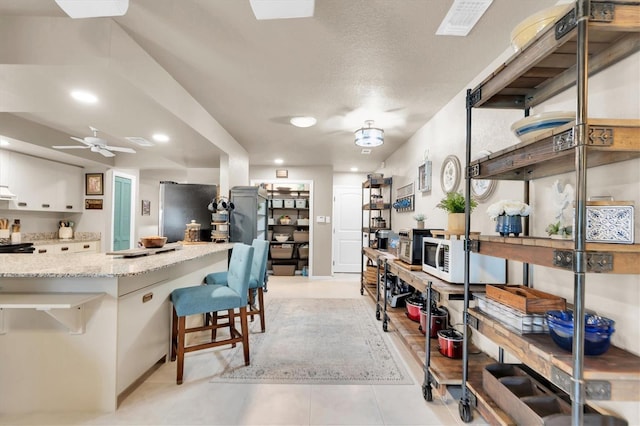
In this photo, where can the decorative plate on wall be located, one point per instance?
(450, 174)
(482, 189)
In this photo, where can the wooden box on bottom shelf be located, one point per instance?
(284, 269)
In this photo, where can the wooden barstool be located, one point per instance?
(202, 299)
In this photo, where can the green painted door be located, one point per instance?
(122, 214)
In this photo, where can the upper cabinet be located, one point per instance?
(43, 185)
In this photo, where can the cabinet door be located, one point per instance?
(69, 188)
(31, 180)
(143, 332)
(43, 185)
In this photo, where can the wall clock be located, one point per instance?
(482, 189)
(450, 174)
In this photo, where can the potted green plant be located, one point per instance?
(558, 231)
(419, 217)
(454, 203)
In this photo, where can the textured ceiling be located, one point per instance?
(353, 61)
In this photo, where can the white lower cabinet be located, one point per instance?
(143, 331)
(70, 247)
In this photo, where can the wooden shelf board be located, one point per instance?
(546, 66)
(537, 158)
(376, 183)
(539, 251)
(538, 351)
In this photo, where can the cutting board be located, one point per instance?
(145, 251)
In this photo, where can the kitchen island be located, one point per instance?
(78, 331)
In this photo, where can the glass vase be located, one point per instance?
(506, 225)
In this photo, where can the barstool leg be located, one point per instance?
(261, 303)
(181, 341)
(174, 335)
(244, 326)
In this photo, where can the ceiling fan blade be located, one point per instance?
(80, 140)
(120, 149)
(106, 153)
(69, 147)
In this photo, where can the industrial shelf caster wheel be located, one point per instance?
(385, 325)
(465, 412)
(362, 292)
(378, 314)
(427, 393)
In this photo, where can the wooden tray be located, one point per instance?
(525, 299)
(405, 265)
(145, 251)
(451, 235)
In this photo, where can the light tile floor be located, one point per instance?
(158, 401)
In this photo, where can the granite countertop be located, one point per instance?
(99, 265)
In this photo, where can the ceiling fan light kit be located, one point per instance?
(282, 9)
(93, 8)
(369, 137)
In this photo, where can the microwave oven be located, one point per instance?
(444, 259)
(410, 249)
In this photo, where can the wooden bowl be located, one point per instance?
(153, 242)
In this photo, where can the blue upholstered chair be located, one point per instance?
(201, 299)
(257, 282)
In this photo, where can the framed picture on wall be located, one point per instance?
(94, 184)
(424, 177)
(146, 208)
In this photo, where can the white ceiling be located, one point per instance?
(215, 79)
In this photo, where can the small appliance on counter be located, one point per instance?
(411, 244)
(450, 343)
(445, 259)
(382, 238)
(439, 320)
(415, 303)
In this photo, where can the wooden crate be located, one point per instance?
(525, 299)
(522, 397)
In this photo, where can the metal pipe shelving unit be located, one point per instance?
(615, 32)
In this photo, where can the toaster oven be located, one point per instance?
(411, 245)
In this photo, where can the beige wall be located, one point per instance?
(321, 205)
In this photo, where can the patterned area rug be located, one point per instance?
(313, 341)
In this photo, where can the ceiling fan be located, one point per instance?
(96, 144)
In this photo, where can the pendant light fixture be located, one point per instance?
(369, 137)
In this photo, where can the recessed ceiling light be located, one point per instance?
(160, 137)
(84, 96)
(278, 161)
(354, 169)
(303, 121)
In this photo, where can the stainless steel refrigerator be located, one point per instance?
(249, 214)
(180, 203)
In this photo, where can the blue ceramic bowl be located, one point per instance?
(598, 331)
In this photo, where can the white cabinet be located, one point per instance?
(144, 322)
(67, 247)
(43, 185)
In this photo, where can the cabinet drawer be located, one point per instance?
(86, 247)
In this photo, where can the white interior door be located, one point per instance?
(347, 228)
